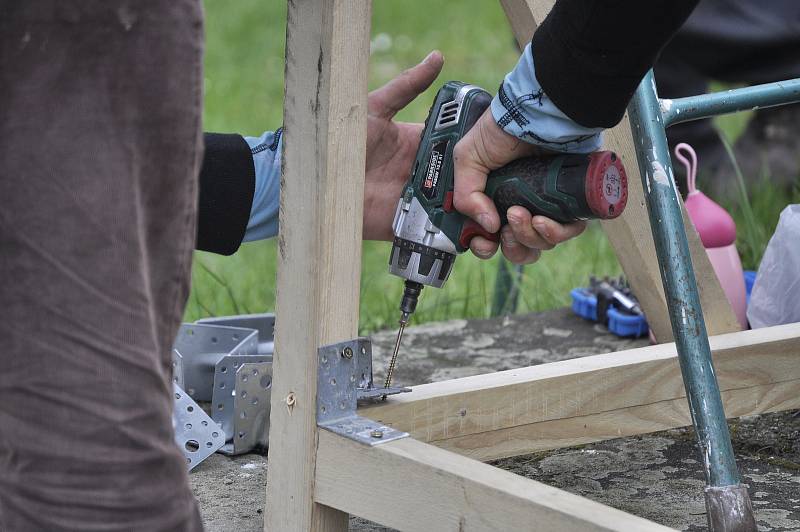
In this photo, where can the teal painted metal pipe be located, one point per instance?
(677, 275)
(719, 103)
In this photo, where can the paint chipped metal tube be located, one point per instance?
(677, 275)
(731, 101)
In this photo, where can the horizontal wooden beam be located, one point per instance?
(594, 398)
(413, 486)
(580, 430)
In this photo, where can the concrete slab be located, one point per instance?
(655, 476)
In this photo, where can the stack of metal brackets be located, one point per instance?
(226, 362)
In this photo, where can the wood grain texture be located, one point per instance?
(545, 406)
(412, 486)
(580, 430)
(319, 243)
(630, 234)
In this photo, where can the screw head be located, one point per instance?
(376, 433)
(348, 352)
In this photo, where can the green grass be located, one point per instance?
(244, 93)
(756, 212)
(246, 282)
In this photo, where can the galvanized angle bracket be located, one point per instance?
(241, 401)
(198, 348)
(228, 361)
(344, 377)
(196, 434)
(263, 323)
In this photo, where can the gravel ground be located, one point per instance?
(655, 476)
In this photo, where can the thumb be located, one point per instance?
(400, 91)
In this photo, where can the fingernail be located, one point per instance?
(430, 56)
(513, 220)
(485, 220)
(483, 253)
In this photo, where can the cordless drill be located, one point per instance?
(429, 232)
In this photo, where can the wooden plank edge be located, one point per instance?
(319, 242)
(632, 421)
(413, 486)
(585, 386)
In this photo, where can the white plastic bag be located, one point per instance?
(775, 298)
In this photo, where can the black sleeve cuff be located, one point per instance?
(591, 55)
(227, 185)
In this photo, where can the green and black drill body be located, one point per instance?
(429, 233)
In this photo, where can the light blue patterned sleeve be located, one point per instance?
(522, 109)
(266, 151)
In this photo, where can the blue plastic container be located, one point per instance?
(749, 280)
(626, 325)
(584, 304)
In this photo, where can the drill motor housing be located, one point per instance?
(425, 237)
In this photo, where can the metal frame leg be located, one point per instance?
(727, 501)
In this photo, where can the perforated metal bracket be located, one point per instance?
(208, 358)
(198, 348)
(196, 434)
(345, 373)
(241, 401)
(252, 408)
(263, 323)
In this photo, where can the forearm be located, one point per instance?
(266, 156)
(239, 190)
(592, 54)
(581, 69)
(227, 184)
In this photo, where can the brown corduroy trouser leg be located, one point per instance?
(100, 142)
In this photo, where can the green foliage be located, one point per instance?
(244, 93)
(756, 212)
(246, 282)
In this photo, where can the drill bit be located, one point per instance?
(393, 361)
(407, 307)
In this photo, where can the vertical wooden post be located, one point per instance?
(319, 244)
(630, 233)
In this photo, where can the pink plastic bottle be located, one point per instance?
(718, 233)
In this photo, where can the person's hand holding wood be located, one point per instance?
(392, 146)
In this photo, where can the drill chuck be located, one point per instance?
(420, 263)
(410, 297)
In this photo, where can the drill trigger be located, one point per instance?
(447, 206)
(471, 229)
